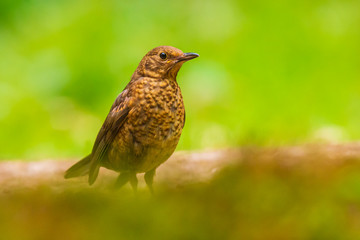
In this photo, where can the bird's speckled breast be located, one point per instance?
(152, 129)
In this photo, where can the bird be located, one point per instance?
(144, 124)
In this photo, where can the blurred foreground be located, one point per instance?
(307, 192)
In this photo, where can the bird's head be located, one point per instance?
(163, 62)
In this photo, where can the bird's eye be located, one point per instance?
(163, 55)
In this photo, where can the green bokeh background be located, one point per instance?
(270, 72)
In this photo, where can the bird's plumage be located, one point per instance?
(145, 122)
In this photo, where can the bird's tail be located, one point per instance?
(80, 168)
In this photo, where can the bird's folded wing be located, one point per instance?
(113, 122)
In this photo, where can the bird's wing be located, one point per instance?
(113, 122)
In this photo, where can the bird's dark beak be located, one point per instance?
(188, 56)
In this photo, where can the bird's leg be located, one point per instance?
(123, 178)
(133, 181)
(149, 177)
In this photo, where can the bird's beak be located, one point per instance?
(188, 56)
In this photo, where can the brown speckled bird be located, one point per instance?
(144, 124)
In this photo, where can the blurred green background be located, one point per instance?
(270, 72)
